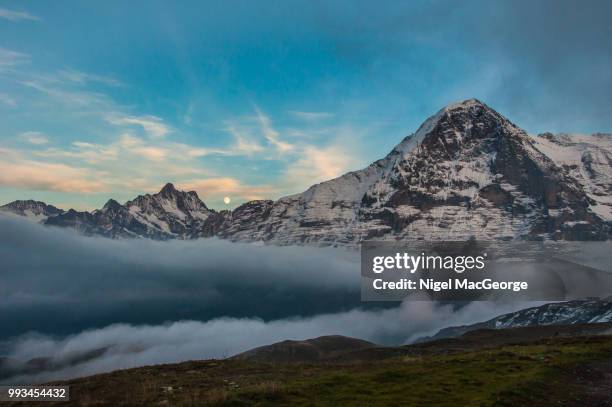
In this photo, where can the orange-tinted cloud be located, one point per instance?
(49, 177)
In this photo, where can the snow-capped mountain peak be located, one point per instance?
(168, 190)
(111, 206)
(33, 210)
(168, 214)
(172, 203)
(467, 171)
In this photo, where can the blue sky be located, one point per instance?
(261, 99)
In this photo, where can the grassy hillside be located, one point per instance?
(558, 370)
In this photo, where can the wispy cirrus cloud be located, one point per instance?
(152, 125)
(8, 100)
(311, 116)
(59, 95)
(244, 142)
(15, 16)
(34, 137)
(84, 77)
(316, 152)
(9, 57)
(126, 152)
(271, 134)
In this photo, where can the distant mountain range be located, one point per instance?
(586, 311)
(467, 171)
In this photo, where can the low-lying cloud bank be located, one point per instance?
(33, 359)
(55, 281)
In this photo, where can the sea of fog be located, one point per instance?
(88, 305)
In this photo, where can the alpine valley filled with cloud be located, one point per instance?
(185, 189)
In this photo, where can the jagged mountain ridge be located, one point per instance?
(34, 210)
(170, 213)
(467, 171)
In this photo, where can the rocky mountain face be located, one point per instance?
(467, 171)
(588, 311)
(587, 159)
(168, 214)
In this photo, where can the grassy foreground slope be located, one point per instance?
(559, 370)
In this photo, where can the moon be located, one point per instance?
(227, 200)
